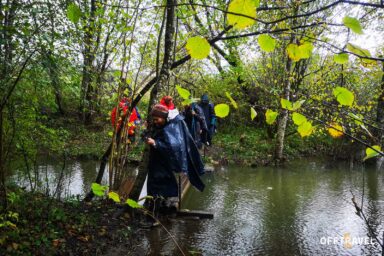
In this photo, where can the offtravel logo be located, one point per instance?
(346, 240)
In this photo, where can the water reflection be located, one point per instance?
(277, 211)
(74, 179)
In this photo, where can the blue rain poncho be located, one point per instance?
(175, 151)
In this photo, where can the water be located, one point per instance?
(304, 208)
(75, 178)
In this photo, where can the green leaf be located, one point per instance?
(353, 24)
(243, 7)
(270, 116)
(253, 113)
(186, 102)
(73, 13)
(183, 92)
(110, 134)
(98, 189)
(305, 129)
(372, 153)
(296, 105)
(233, 102)
(361, 52)
(198, 47)
(257, 3)
(294, 52)
(286, 104)
(298, 119)
(341, 58)
(358, 119)
(222, 110)
(133, 204)
(117, 73)
(358, 50)
(114, 196)
(343, 96)
(266, 43)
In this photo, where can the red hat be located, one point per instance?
(167, 102)
(159, 111)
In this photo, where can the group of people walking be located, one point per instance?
(174, 139)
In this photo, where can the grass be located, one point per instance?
(252, 146)
(89, 142)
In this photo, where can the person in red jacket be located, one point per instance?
(134, 119)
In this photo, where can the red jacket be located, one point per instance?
(123, 106)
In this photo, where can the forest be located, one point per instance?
(290, 81)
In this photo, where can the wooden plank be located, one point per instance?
(184, 185)
(193, 213)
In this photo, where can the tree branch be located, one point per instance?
(8, 95)
(364, 4)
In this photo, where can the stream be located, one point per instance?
(304, 208)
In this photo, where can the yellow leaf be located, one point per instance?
(221, 110)
(372, 153)
(305, 129)
(253, 113)
(335, 130)
(305, 50)
(114, 196)
(286, 104)
(270, 116)
(233, 102)
(293, 52)
(198, 47)
(247, 11)
(266, 42)
(298, 119)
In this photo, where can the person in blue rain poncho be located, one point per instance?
(210, 119)
(172, 150)
(195, 120)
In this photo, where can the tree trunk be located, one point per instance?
(380, 118)
(163, 78)
(3, 190)
(53, 75)
(87, 91)
(7, 11)
(282, 123)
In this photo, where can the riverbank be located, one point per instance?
(38, 225)
(251, 146)
(89, 142)
(243, 145)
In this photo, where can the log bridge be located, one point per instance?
(184, 185)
